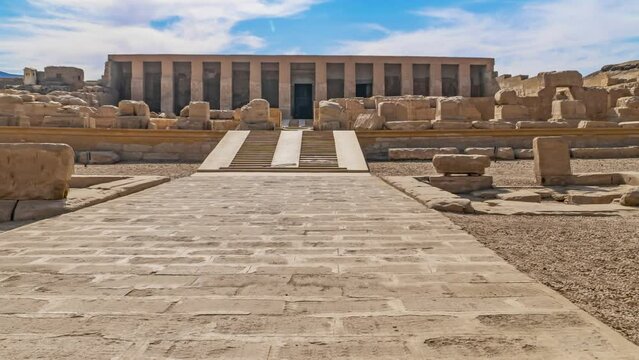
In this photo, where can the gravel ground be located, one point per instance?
(172, 170)
(592, 261)
(505, 173)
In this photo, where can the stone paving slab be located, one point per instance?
(276, 267)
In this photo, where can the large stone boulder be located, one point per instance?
(255, 116)
(133, 108)
(631, 197)
(197, 116)
(393, 111)
(369, 121)
(570, 78)
(331, 116)
(507, 97)
(35, 171)
(461, 164)
(552, 158)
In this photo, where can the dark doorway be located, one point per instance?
(303, 101)
(364, 90)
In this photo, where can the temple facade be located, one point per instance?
(290, 82)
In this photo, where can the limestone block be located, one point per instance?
(507, 97)
(461, 184)
(35, 171)
(568, 109)
(200, 110)
(256, 126)
(630, 198)
(456, 108)
(67, 117)
(629, 102)
(541, 125)
(225, 114)
(134, 108)
(186, 111)
(596, 101)
(629, 124)
(561, 79)
(256, 111)
(622, 114)
(38, 209)
(393, 111)
(451, 204)
(493, 125)
(132, 122)
(512, 113)
(606, 153)
(524, 154)
(107, 111)
(98, 157)
(594, 197)
(419, 153)
(192, 123)
(28, 98)
(369, 121)
(552, 158)
(331, 115)
(353, 108)
(505, 153)
(461, 164)
(223, 125)
(489, 151)
(453, 125)
(521, 195)
(408, 125)
(162, 124)
(587, 124)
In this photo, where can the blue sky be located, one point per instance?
(525, 37)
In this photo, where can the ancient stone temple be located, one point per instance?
(292, 82)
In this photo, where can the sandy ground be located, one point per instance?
(593, 261)
(506, 173)
(172, 170)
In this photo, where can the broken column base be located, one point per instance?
(460, 184)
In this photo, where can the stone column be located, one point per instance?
(137, 80)
(226, 84)
(407, 78)
(167, 87)
(197, 78)
(349, 79)
(436, 79)
(464, 80)
(321, 87)
(285, 89)
(378, 78)
(255, 85)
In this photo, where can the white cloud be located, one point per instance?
(83, 32)
(547, 35)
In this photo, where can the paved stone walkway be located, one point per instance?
(280, 267)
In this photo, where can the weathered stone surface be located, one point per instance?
(490, 152)
(98, 157)
(511, 113)
(369, 121)
(163, 124)
(192, 123)
(134, 108)
(393, 111)
(521, 195)
(552, 158)
(331, 116)
(256, 111)
(419, 153)
(568, 110)
(461, 164)
(35, 171)
(454, 205)
(507, 97)
(6, 210)
(587, 124)
(132, 122)
(461, 184)
(444, 124)
(606, 153)
(408, 125)
(224, 114)
(540, 125)
(222, 125)
(456, 108)
(629, 124)
(569, 78)
(493, 125)
(630, 198)
(629, 102)
(505, 153)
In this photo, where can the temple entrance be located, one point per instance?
(303, 101)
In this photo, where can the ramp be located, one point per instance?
(287, 151)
